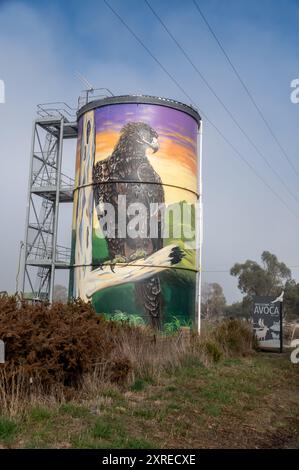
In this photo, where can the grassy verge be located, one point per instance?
(238, 402)
(73, 379)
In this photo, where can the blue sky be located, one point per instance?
(43, 44)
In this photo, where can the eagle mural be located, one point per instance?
(128, 172)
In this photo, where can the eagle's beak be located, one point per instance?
(155, 145)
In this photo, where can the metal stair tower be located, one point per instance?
(48, 188)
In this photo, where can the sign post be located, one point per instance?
(267, 322)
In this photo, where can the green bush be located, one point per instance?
(176, 324)
(119, 316)
(7, 429)
(212, 350)
(102, 429)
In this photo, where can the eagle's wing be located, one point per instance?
(150, 184)
(106, 191)
(151, 189)
(100, 175)
(146, 173)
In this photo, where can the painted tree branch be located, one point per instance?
(104, 277)
(83, 247)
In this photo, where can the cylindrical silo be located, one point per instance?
(135, 221)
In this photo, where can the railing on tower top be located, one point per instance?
(57, 109)
(93, 94)
(63, 110)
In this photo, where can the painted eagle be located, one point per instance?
(128, 171)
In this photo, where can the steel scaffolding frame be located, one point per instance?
(48, 187)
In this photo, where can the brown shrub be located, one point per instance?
(54, 351)
(228, 338)
(58, 344)
(234, 337)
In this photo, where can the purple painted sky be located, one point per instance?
(163, 119)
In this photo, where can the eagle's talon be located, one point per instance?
(99, 266)
(138, 254)
(119, 259)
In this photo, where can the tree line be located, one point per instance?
(269, 277)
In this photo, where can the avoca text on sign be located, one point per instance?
(267, 322)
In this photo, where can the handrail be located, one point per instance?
(63, 253)
(56, 108)
(93, 94)
(50, 179)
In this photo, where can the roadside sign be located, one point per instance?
(267, 322)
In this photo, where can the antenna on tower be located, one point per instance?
(84, 80)
(90, 87)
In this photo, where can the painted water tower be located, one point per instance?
(135, 233)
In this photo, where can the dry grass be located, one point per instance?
(73, 379)
(61, 352)
(248, 402)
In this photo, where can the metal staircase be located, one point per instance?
(48, 188)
